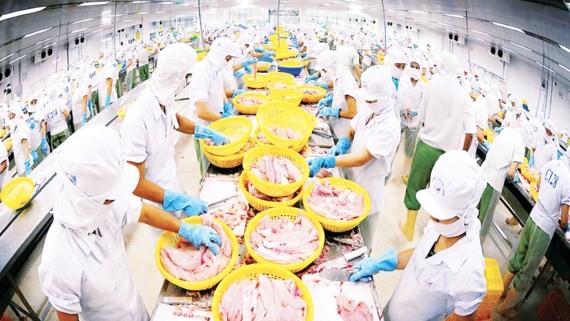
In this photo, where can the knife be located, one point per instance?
(341, 274)
(342, 261)
(216, 203)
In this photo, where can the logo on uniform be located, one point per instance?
(437, 185)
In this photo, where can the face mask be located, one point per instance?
(396, 72)
(451, 230)
(414, 73)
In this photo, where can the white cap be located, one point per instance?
(95, 164)
(318, 49)
(396, 56)
(455, 187)
(326, 59)
(446, 63)
(376, 84)
(226, 47)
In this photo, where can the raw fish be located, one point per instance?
(335, 204)
(277, 170)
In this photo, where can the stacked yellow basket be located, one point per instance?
(238, 130)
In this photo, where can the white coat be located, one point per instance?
(19, 133)
(77, 103)
(409, 97)
(54, 116)
(545, 150)
(109, 70)
(507, 148)
(206, 85)
(452, 280)
(5, 175)
(35, 121)
(478, 113)
(344, 84)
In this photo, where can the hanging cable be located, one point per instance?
(200, 22)
(467, 32)
(385, 31)
(278, 23)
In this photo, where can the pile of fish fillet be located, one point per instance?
(276, 169)
(250, 101)
(334, 203)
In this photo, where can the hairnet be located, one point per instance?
(327, 59)
(446, 64)
(395, 56)
(549, 124)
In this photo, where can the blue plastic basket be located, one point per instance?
(295, 71)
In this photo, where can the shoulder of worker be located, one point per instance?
(60, 259)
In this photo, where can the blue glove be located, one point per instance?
(34, 156)
(498, 129)
(259, 50)
(314, 76)
(269, 55)
(107, 101)
(341, 147)
(83, 119)
(412, 113)
(323, 85)
(327, 101)
(330, 112)
(316, 164)
(28, 167)
(228, 110)
(200, 235)
(531, 161)
(237, 92)
(370, 266)
(247, 69)
(515, 179)
(486, 144)
(203, 132)
(239, 73)
(173, 202)
(44, 145)
(248, 62)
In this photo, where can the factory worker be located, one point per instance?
(146, 133)
(107, 77)
(4, 167)
(56, 115)
(445, 121)
(247, 45)
(20, 134)
(445, 274)
(550, 212)
(142, 57)
(38, 128)
(503, 158)
(339, 107)
(491, 101)
(84, 271)
(544, 147)
(349, 57)
(396, 60)
(369, 145)
(80, 104)
(313, 55)
(130, 60)
(478, 113)
(206, 90)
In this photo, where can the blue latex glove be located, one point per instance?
(259, 50)
(203, 132)
(370, 266)
(316, 164)
(531, 161)
(412, 113)
(248, 62)
(200, 235)
(327, 101)
(267, 59)
(228, 110)
(83, 119)
(269, 55)
(239, 73)
(34, 156)
(341, 147)
(323, 85)
(237, 92)
(173, 202)
(107, 101)
(247, 69)
(44, 145)
(498, 129)
(486, 144)
(330, 112)
(314, 76)
(516, 178)
(28, 166)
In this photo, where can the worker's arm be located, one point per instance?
(468, 140)
(44, 128)
(255, 54)
(3, 166)
(84, 104)
(354, 159)
(237, 67)
(185, 125)
(229, 93)
(351, 111)
(66, 113)
(330, 84)
(147, 189)
(350, 134)
(204, 112)
(404, 258)
(109, 86)
(564, 217)
(62, 316)
(156, 217)
(26, 149)
(357, 70)
(480, 137)
(512, 170)
(129, 63)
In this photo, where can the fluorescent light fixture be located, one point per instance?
(140, 1)
(79, 30)
(564, 67)
(166, 2)
(48, 39)
(477, 39)
(81, 21)
(142, 13)
(521, 46)
(326, 4)
(543, 66)
(507, 26)
(129, 20)
(160, 12)
(454, 15)
(564, 48)
(37, 32)
(96, 31)
(44, 47)
(444, 24)
(509, 50)
(13, 61)
(118, 15)
(417, 11)
(20, 13)
(10, 55)
(105, 40)
(89, 4)
(481, 33)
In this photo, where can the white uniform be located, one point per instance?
(55, 119)
(5, 175)
(109, 70)
(77, 103)
(450, 281)
(545, 150)
(142, 56)
(349, 57)
(86, 273)
(343, 85)
(479, 113)
(409, 97)
(207, 85)
(21, 132)
(554, 191)
(443, 112)
(34, 124)
(507, 148)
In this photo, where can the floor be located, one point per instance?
(140, 247)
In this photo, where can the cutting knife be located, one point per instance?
(335, 274)
(342, 262)
(217, 203)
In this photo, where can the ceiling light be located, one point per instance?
(129, 20)
(543, 66)
(48, 39)
(44, 47)
(105, 40)
(564, 48)
(326, 4)
(10, 55)
(167, 2)
(140, 1)
(481, 33)
(142, 13)
(454, 15)
(507, 26)
(13, 61)
(84, 20)
(416, 11)
(444, 24)
(509, 50)
(160, 12)
(79, 30)
(476, 38)
(97, 3)
(118, 15)
(20, 13)
(521, 46)
(96, 31)
(563, 67)
(37, 32)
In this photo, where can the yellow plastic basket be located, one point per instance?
(262, 205)
(17, 193)
(311, 99)
(494, 279)
(530, 174)
(249, 110)
(231, 161)
(263, 66)
(277, 76)
(273, 109)
(8, 143)
(122, 112)
(238, 129)
(259, 82)
(331, 225)
(294, 118)
(294, 62)
(251, 272)
(171, 239)
(278, 86)
(292, 213)
(201, 56)
(289, 95)
(272, 189)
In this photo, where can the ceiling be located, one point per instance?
(544, 22)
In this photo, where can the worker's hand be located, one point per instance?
(341, 147)
(34, 156)
(269, 54)
(327, 101)
(28, 166)
(316, 164)
(312, 77)
(247, 70)
(107, 101)
(515, 179)
(200, 235)
(486, 144)
(531, 161)
(370, 266)
(228, 110)
(323, 85)
(83, 119)
(259, 50)
(498, 129)
(239, 73)
(45, 146)
(412, 113)
(203, 132)
(173, 202)
(330, 112)
(248, 62)
(237, 92)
